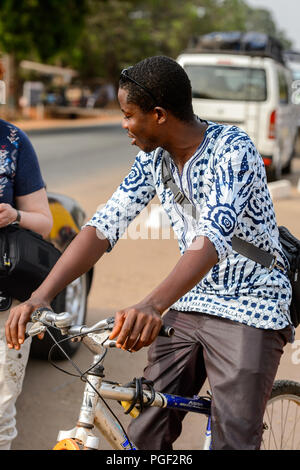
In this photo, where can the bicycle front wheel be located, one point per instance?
(282, 417)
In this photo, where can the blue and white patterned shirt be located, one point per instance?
(225, 179)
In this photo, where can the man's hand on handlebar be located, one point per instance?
(136, 327)
(19, 316)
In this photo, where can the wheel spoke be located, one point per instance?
(286, 415)
(282, 419)
(294, 430)
(271, 427)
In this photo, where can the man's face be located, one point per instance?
(141, 127)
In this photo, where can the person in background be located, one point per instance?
(23, 201)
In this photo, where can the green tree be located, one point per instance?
(225, 15)
(38, 28)
(237, 15)
(121, 32)
(261, 20)
(100, 37)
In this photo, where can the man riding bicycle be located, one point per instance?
(230, 314)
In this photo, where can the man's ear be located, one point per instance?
(161, 115)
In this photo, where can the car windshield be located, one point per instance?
(218, 82)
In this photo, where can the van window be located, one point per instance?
(283, 88)
(218, 82)
(296, 74)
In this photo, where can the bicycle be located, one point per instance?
(281, 429)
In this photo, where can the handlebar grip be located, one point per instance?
(166, 330)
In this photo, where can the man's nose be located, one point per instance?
(124, 123)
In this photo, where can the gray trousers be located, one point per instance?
(240, 363)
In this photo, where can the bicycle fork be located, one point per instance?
(94, 412)
(207, 440)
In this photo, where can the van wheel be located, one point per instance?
(74, 300)
(273, 174)
(288, 167)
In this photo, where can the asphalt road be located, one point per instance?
(87, 165)
(68, 157)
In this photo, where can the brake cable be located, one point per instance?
(138, 383)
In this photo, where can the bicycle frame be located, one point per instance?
(94, 412)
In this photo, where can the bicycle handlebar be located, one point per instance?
(44, 317)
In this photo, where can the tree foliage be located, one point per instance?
(121, 32)
(100, 37)
(39, 27)
(261, 20)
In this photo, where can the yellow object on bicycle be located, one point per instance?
(61, 218)
(134, 413)
(66, 444)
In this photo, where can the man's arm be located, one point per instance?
(87, 248)
(84, 251)
(138, 326)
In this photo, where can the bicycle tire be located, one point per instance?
(282, 417)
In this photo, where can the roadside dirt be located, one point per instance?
(107, 117)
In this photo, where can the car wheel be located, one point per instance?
(74, 300)
(287, 169)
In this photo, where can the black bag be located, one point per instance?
(25, 261)
(291, 249)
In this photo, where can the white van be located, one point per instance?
(251, 92)
(292, 59)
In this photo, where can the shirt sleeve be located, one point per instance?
(133, 194)
(230, 185)
(28, 177)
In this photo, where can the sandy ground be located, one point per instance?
(50, 400)
(106, 117)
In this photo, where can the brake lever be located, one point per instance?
(95, 342)
(36, 329)
(39, 312)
